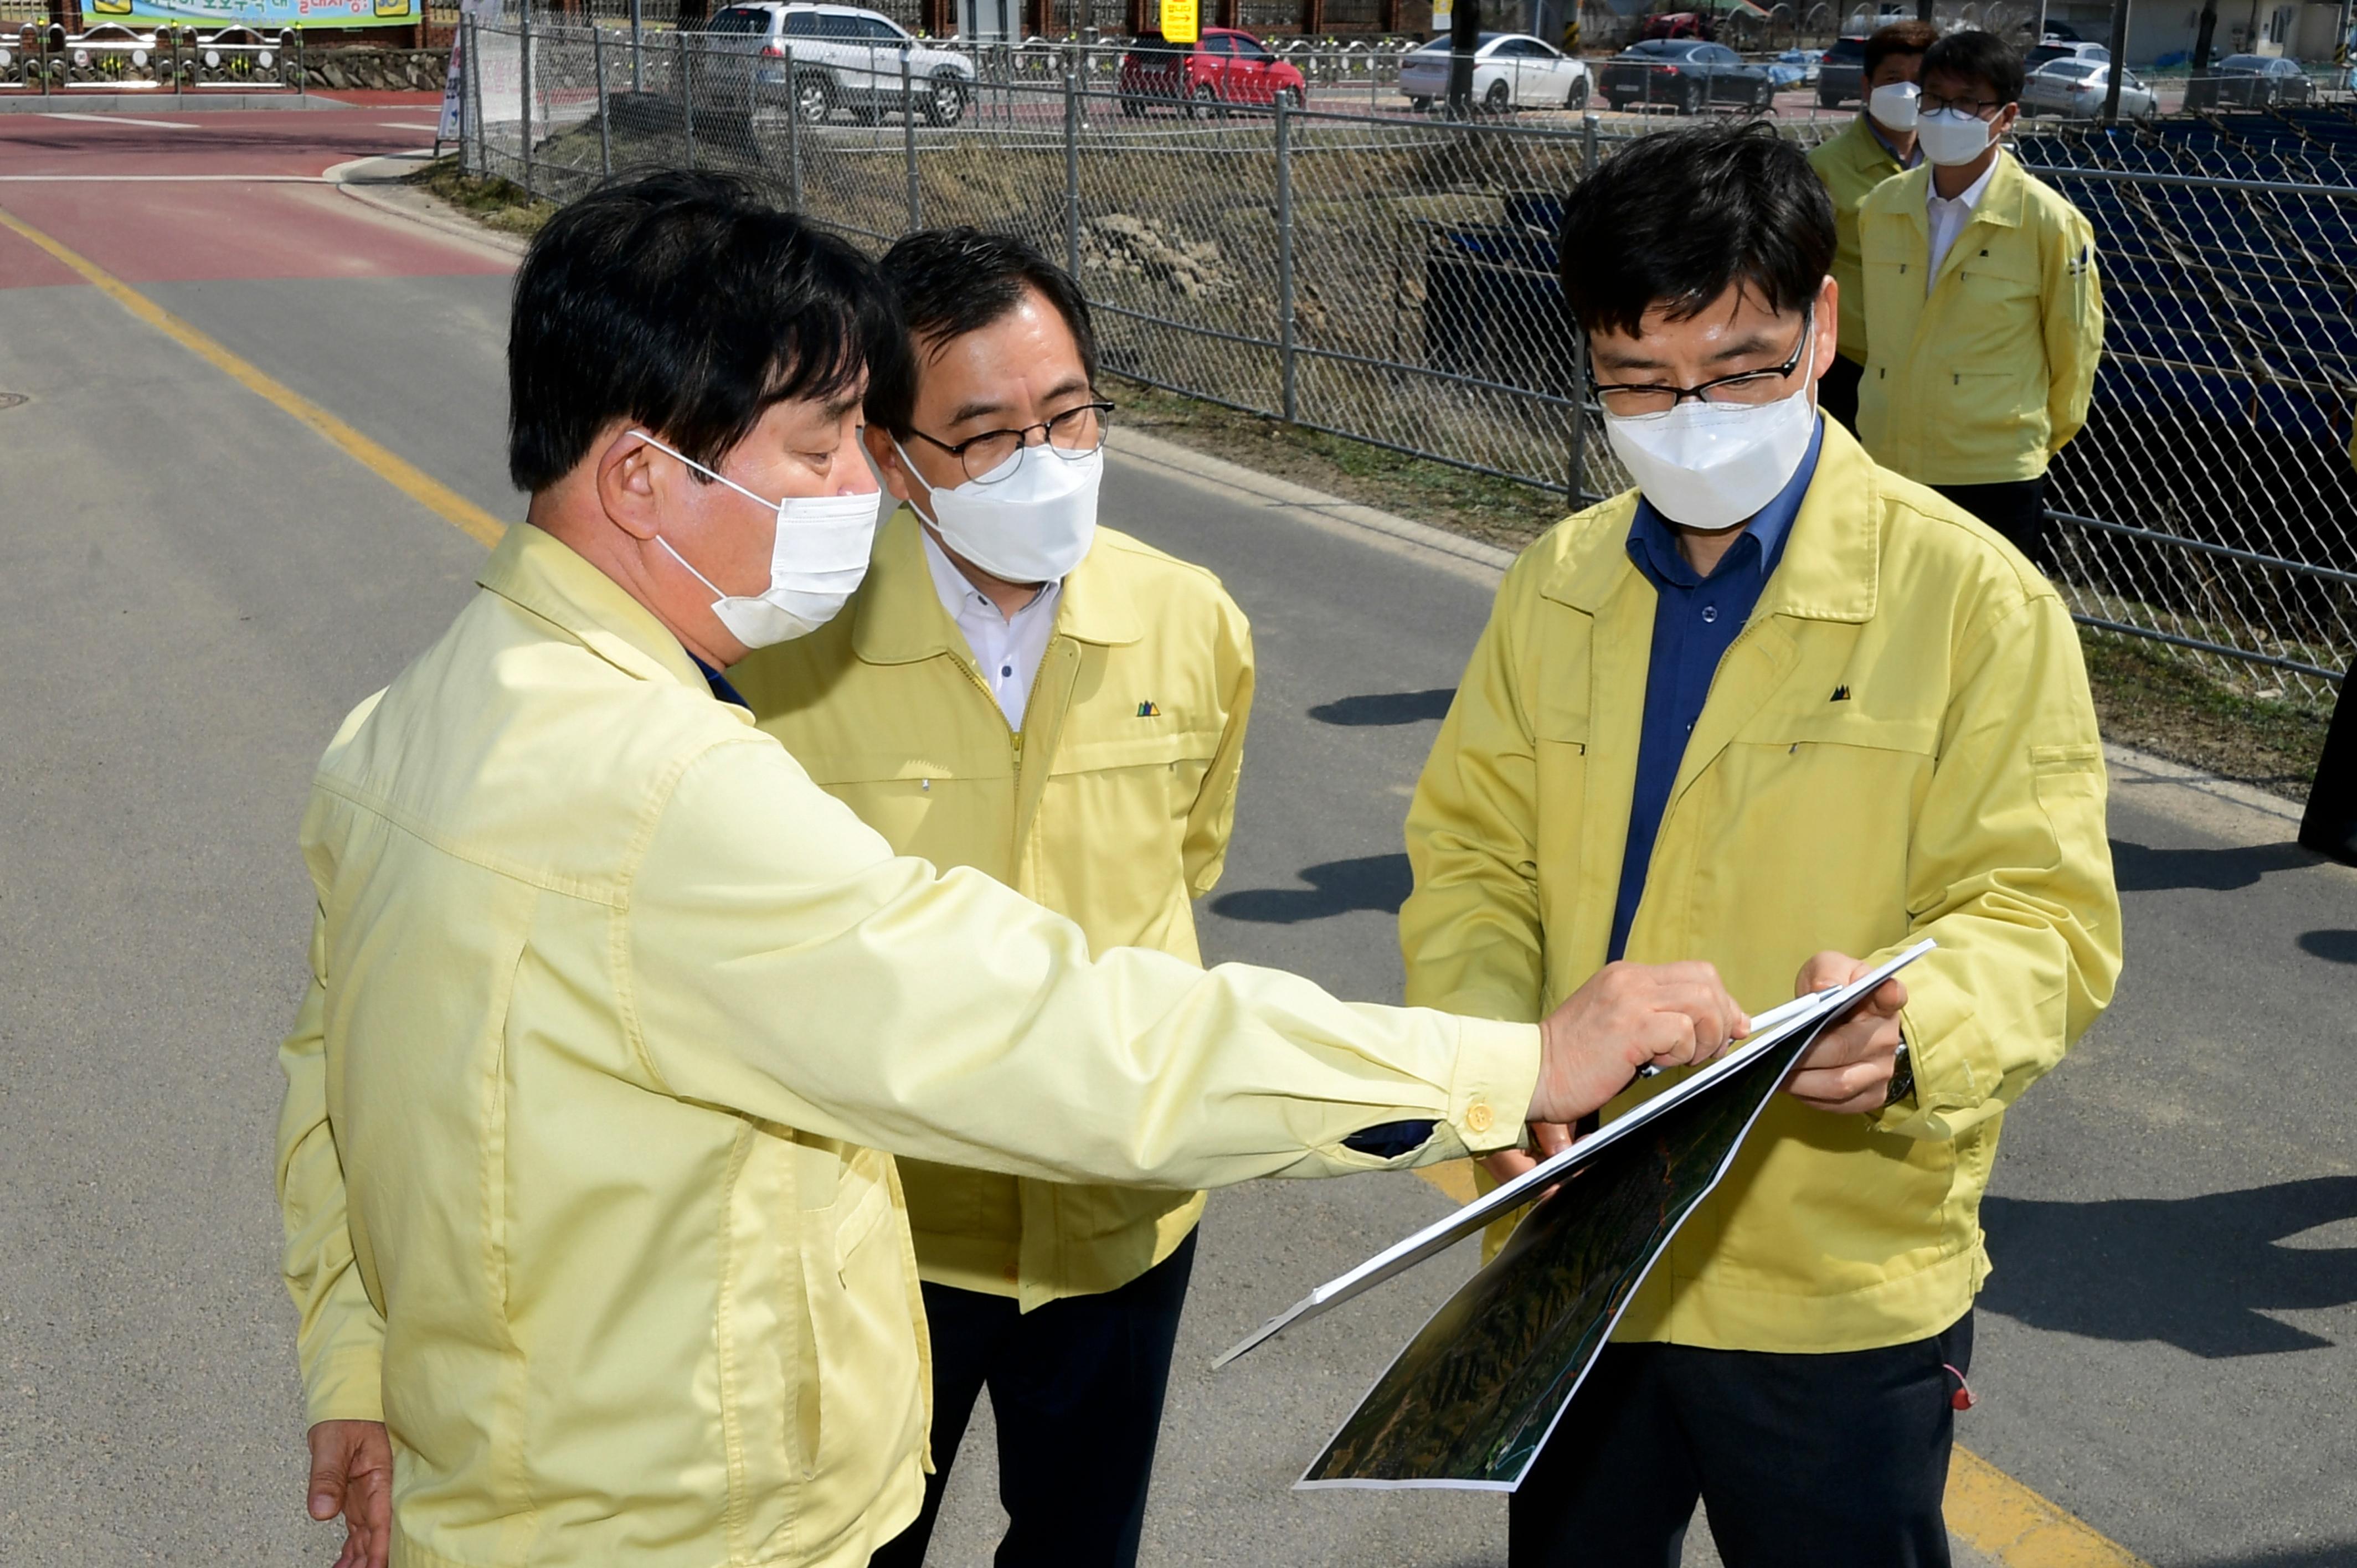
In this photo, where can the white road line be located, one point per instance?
(165, 179)
(119, 120)
(405, 126)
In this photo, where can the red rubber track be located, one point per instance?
(175, 229)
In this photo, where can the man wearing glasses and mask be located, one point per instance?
(1779, 707)
(1984, 317)
(1015, 689)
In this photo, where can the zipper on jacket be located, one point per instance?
(1014, 735)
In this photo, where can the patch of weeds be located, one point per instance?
(1500, 512)
(495, 203)
(2152, 698)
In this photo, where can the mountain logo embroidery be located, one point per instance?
(1149, 710)
(1840, 694)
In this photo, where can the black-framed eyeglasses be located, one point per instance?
(1072, 435)
(1637, 400)
(1978, 108)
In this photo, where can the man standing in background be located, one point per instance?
(1983, 318)
(1878, 144)
(1017, 690)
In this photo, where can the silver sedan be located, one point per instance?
(2077, 88)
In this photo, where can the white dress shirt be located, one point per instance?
(1948, 217)
(1008, 647)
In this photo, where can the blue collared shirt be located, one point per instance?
(1695, 621)
(721, 686)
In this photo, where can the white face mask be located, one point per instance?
(1893, 105)
(818, 557)
(1951, 136)
(1031, 523)
(1712, 466)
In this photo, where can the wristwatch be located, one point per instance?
(1903, 1078)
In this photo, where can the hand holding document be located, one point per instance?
(1473, 1399)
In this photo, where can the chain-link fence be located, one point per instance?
(1390, 277)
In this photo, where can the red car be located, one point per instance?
(1223, 67)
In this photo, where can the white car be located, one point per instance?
(2077, 88)
(843, 58)
(1510, 71)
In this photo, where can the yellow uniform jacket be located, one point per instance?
(1851, 165)
(1112, 806)
(1899, 744)
(1983, 380)
(612, 1011)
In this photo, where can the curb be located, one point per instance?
(381, 183)
(165, 103)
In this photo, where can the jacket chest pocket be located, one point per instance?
(1985, 278)
(1139, 777)
(1809, 818)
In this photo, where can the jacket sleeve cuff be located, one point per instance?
(1942, 1034)
(346, 1386)
(1497, 1073)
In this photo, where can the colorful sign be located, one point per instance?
(1441, 13)
(270, 15)
(1183, 21)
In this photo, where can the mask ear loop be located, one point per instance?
(776, 508)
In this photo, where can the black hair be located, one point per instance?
(947, 283)
(1908, 38)
(684, 303)
(1978, 57)
(1676, 220)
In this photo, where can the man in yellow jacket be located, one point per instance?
(1876, 146)
(1016, 689)
(1983, 317)
(596, 1255)
(1780, 706)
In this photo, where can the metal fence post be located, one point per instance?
(909, 144)
(470, 96)
(1575, 482)
(687, 97)
(638, 47)
(605, 122)
(525, 27)
(1284, 257)
(794, 134)
(1071, 177)
(482, 131)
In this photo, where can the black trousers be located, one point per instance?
(1837, 390)
(1802, 1461)
(2015, 508)
(1076, 1387)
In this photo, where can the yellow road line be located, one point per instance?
(407, 478)
(1988, 1509)
(1998, 1517)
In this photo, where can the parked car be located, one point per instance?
(1223, 67)
(1797, 68)
(1679, 24)
(1841, 75)
(2064, 49)
(2256, 82)
(1686, 75)
(843, 58)
(2077, 88)
(1510, 71)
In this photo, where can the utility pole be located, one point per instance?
(2119, 66)
(1464, 37)
(1923, 10)
(2200, 87)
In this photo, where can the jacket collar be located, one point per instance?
(1832, 558)
(899, 618)
(539, 573)
(2001, 203)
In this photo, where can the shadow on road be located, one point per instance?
(1336, 887)
(1386, 708)
(2333, 947)
(2339, 1554)
(2195, 1272)
(2143, 870)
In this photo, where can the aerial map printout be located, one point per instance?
(1474, 1396)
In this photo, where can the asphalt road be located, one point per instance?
(194, 589)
